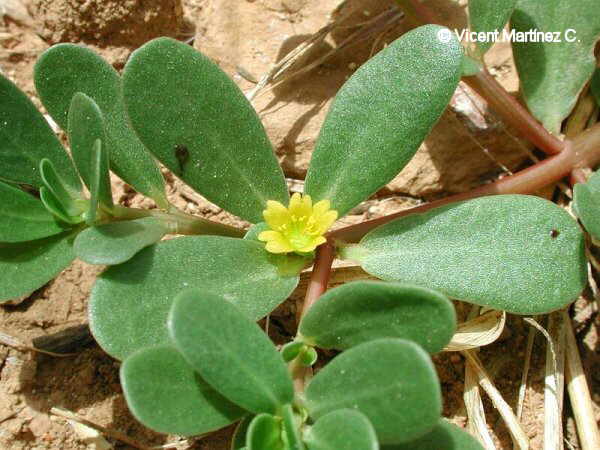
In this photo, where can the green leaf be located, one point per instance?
(595, 86)
(86, 126)
(204, 129)
(391, 381)
(553, 74)
(518, 253)
(264, 433)
(165, 394)
(489, 16)
(445, 436)
(24, 218)
(66, 69)
(291, 435)
(230, 351)
(100, 190)
(586, 204)
(291, 350)
(27, 266)
(344, 429)
(117, 242)
(130, 302)
(54, 206)
(26, 138)
(238, 442)
(381, 115)
(63, 194)
(362, 311)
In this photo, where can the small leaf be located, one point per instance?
(482, 330)
(586, 204)
(517, 253)
(362, 311)
(86, 127)
(165, 394)
(204, 130)
(291, 350)
(27, 266)
(381, 115)
(117, 242)
(26, 138)
(65, 196)
(264, 433)
(291, 435)
(54, 206)
(130, 303)
(100, 191)
(308, 356)
(238, 442)
(552, 74)
(344, 429)
(391, 381)
(445, 436)
(489, 16)
(24, 217)
(66, 69)
(230, 351)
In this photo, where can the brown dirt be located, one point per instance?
(466, 148)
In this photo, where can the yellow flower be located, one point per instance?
(299, 227)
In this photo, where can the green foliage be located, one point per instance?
(343, 429)
(130, 302)
(595, 86)
(391, 381)
(164, 393)
(204, 130)
(230, 351)
(363, 311)
(26, 139)
(264, 433)
(489, 15)
(26, 266)
(117, 242)
(100, 191)
(586, 204)
(404, 88)
(552, 74)
(61, 192)
(66, 69)
(86, 127)
(517, 253)
(291, 436)
(24, 218)
(238, 442)
(444, 436)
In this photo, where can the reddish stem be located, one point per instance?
(513, 112)
(319, 276)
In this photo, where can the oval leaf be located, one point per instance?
(489, 16)
(363, 311)
(129, 303)
(86, 126)
(24, 218)
(65, 69)
(165, 394)
(586, 205)
(391, 381)
(117, 242)
(264, 433)
(230, 351)
(381, 115)
(26, 138)
(357, 434)
(445, 436)
(27, 266)
(549, 93)
(204, 130)
(517, 253)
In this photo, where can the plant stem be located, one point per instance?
(583, 151)
(178, 221)
(513, 112)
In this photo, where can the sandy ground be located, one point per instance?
(468, 147)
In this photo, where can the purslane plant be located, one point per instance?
(180, 313)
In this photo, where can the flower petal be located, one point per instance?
(276, 215)
(276, 242)
(326, 220)
(300, 206)
(321, 207)
(315, 242)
